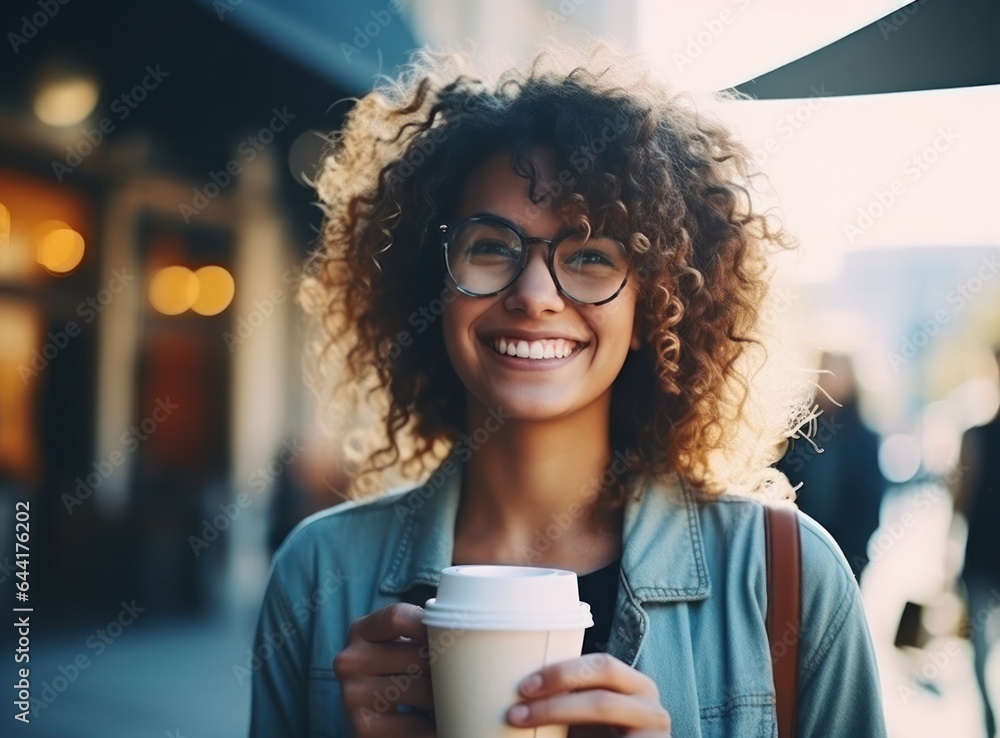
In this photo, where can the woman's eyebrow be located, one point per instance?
(516, 224)
(496, 216)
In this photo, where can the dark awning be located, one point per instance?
(348, 43)
(925, 45)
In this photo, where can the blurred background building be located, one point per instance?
(155, 210)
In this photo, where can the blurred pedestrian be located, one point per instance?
(842, 485)
(976, 491)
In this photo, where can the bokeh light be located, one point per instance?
(66, 101)
(899, 458)
(215, 290)
(173, 290)
(4, 226)
(978, 400)
(58, 248)
(940, 435)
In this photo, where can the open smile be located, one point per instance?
(539, 349)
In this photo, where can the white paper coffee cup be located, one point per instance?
(488, 628)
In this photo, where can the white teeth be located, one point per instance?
(544, 349)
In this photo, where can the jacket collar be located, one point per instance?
(663, 557)
(663, 553)
(428, 516)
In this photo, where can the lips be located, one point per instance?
(544, 348)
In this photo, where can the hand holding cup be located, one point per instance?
(385, 665)
(598, 694)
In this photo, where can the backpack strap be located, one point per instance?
(784, 609)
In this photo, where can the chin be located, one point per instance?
(530, 407)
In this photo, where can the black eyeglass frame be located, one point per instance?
(448, 231)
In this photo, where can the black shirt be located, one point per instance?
(599, 590)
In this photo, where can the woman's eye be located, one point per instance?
(587, 256)
(490, 248)
(595, 256)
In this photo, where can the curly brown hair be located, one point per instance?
(634, 159)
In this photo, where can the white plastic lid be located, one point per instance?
(489, 597)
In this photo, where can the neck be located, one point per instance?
(529, 489)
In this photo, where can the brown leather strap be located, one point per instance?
(784, 609)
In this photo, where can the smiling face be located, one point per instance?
(529, 349)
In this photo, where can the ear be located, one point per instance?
(636, 341)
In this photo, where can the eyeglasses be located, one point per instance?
(485, 254)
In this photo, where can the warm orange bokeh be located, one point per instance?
(216, 289)
(30, 203)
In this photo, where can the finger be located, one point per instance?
(599, 706)
(391, 725)
(382, 659)
(400, 619)
(383, 694)
(592, 671)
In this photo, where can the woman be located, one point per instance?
(556, 287)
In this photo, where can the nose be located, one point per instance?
(535, 292)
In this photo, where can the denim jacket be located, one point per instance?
(689, 613)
